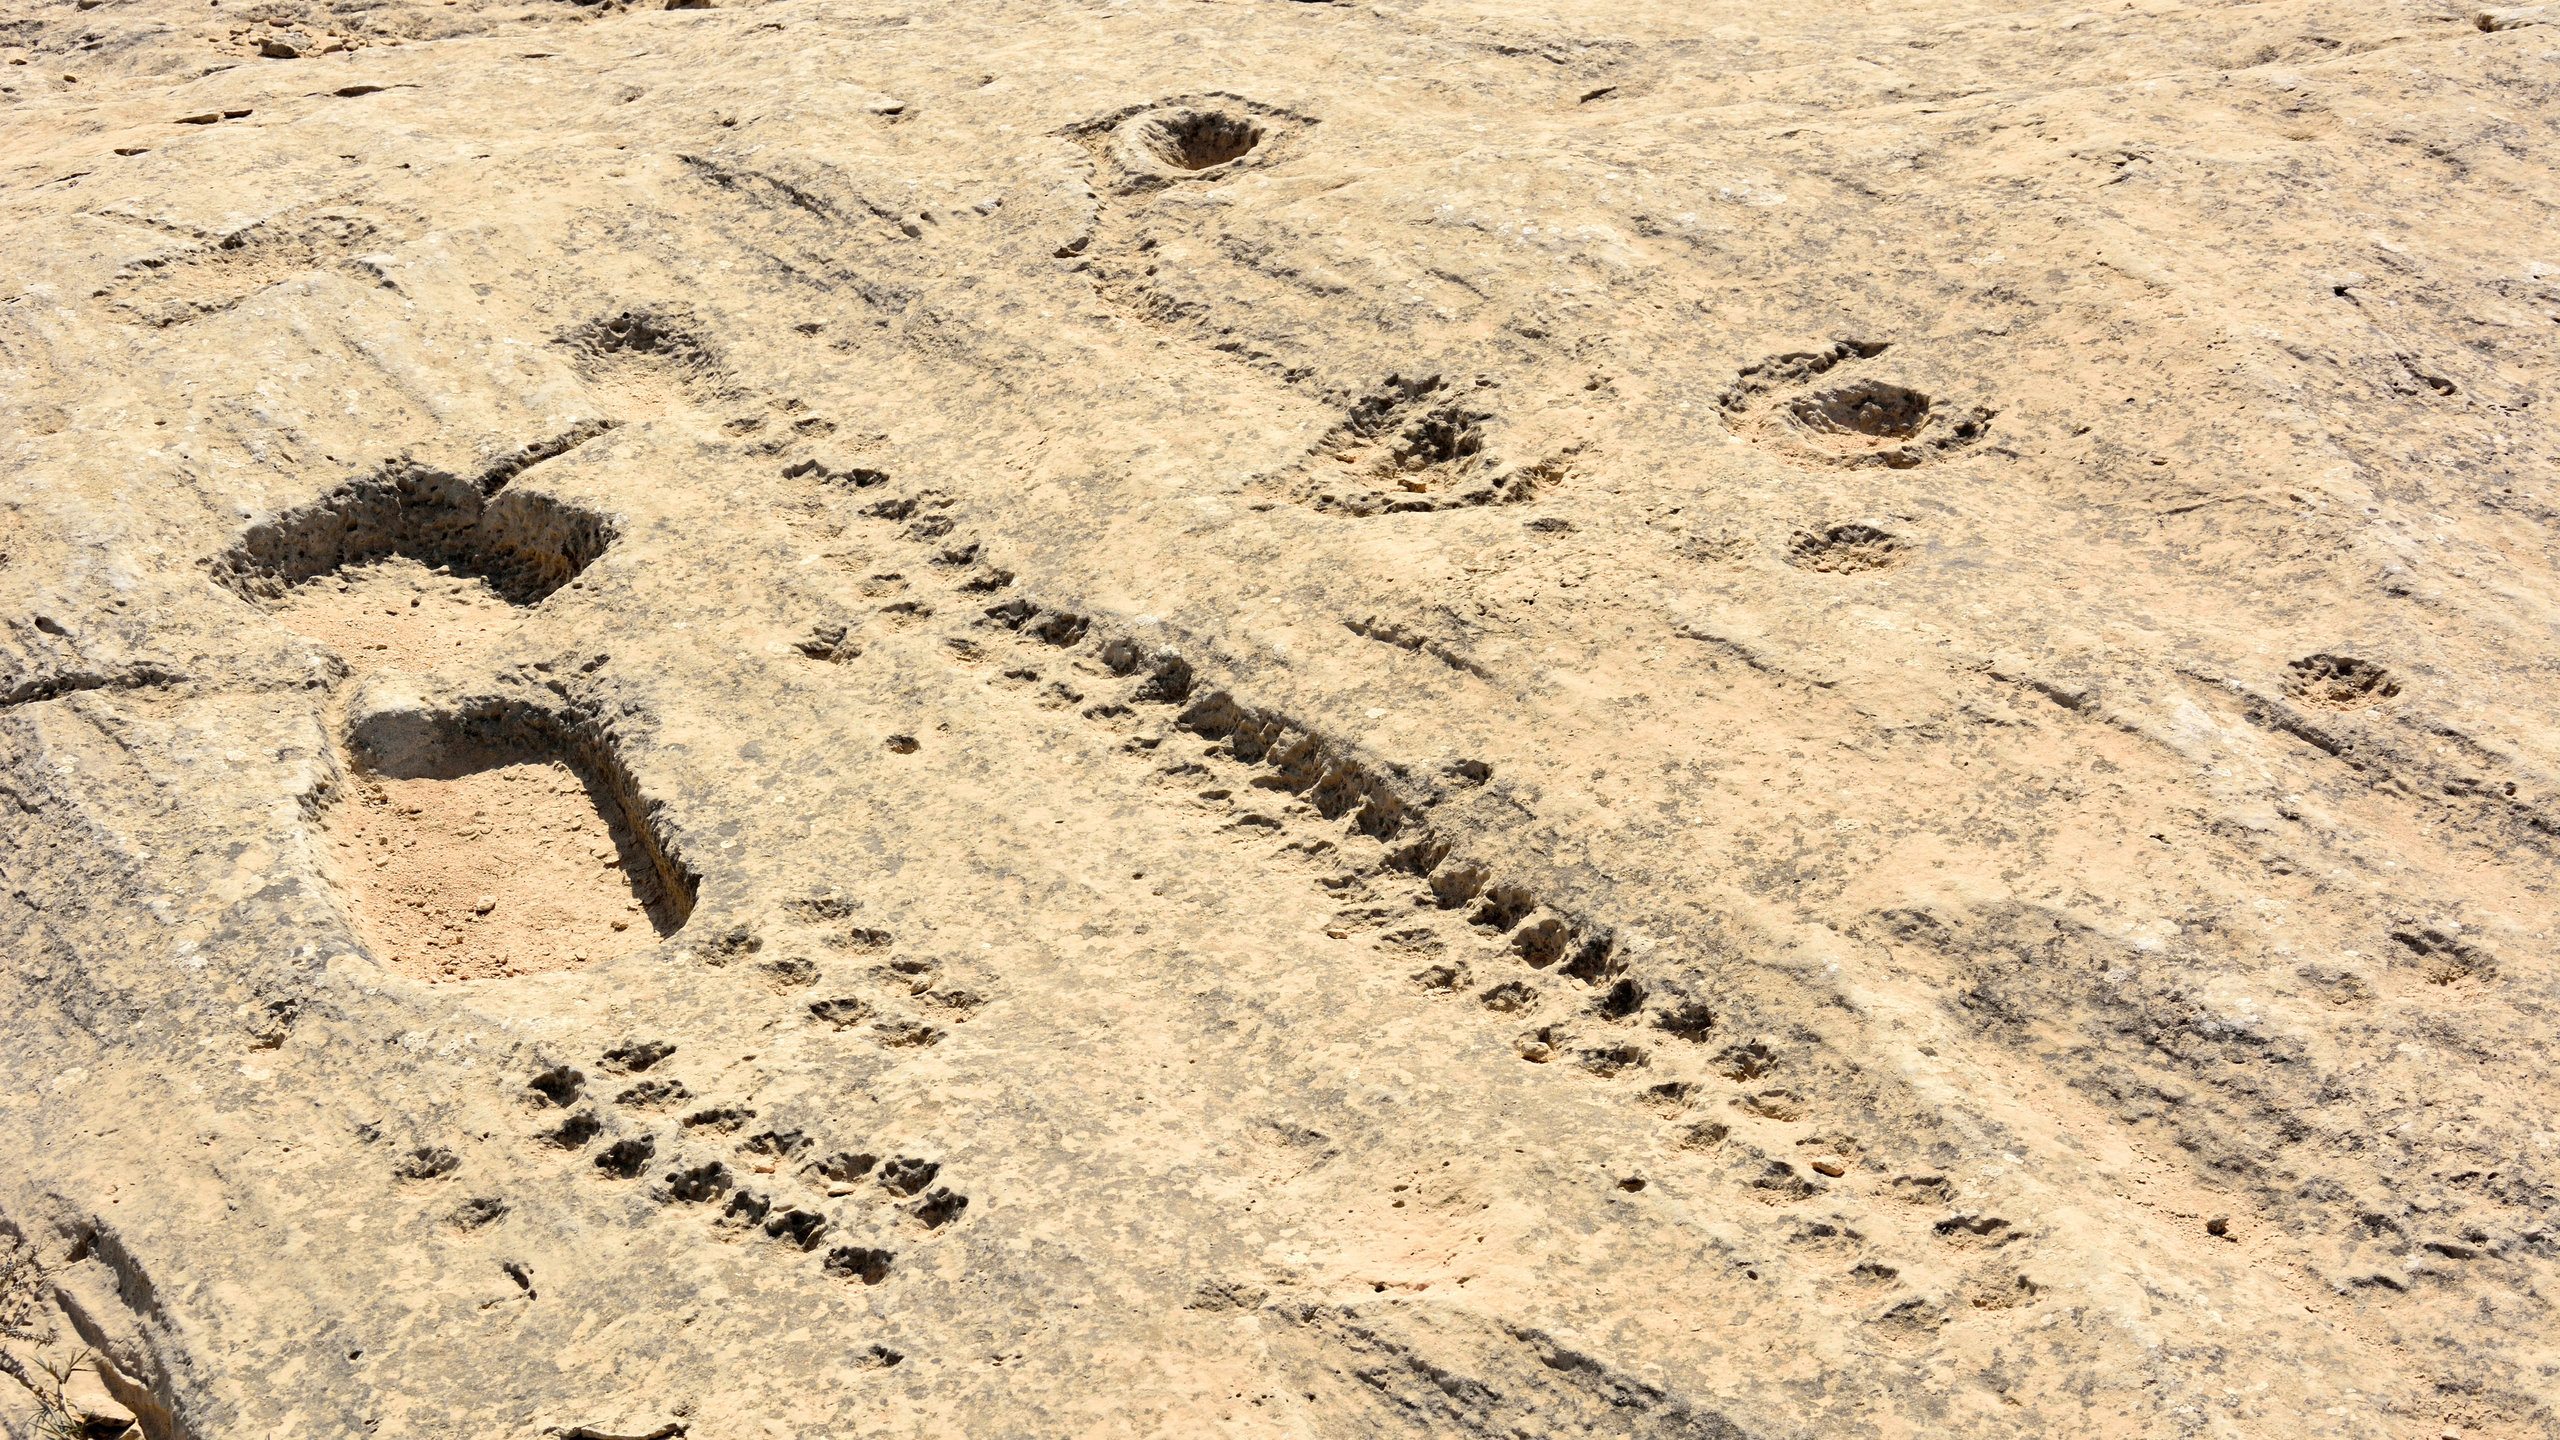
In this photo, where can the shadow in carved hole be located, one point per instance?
(641, 332)
(524, 545)
(500, 841)
(1812, 406)
(1195, 139)
(1844, 549)
(2340, 682)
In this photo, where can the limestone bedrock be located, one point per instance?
(1234, 717)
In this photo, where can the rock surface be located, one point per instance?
(1255, 718)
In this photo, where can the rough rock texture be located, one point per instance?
(1255, 718)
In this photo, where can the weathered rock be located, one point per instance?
(1278, 719)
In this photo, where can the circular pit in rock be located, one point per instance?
(1863, 410)
(1195, 140)
(2340, 682)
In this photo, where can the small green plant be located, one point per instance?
(55, 1419)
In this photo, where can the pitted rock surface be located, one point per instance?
(1251, 718)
